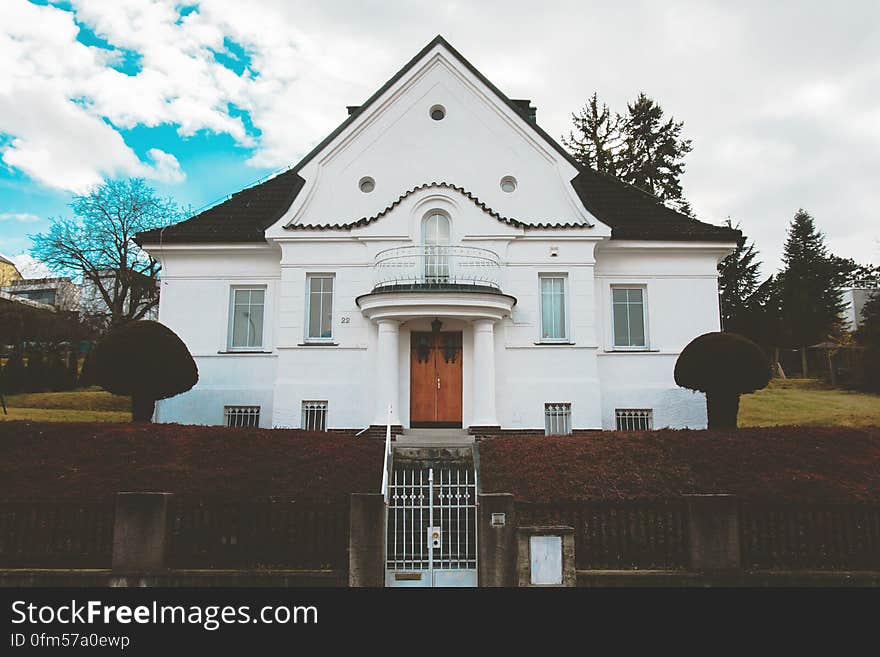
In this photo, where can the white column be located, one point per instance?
(387, 372)
(484, 374)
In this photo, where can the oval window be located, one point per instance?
(367, 184)
(438, 112)
(508, 184)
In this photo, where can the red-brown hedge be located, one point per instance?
(777, 463)
(43, 459)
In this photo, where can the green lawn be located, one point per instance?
(788, 401)
(808, 402)
(89, 405)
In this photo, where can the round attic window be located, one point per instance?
(438, 112)
(367, 184)
(508, 184)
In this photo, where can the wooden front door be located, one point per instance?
(435, 379)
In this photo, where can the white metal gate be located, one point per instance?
(432, 527)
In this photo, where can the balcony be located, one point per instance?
(436, 267)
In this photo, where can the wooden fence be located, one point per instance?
(619, 535)
(279, 533)
(810, 536)
(55, 533)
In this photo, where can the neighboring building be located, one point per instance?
(8, 271)
(440, 253)
(855, 299)
(60, 293)
(142, 288)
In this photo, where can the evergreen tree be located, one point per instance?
(868, 333)
(642, 147)
(869, 336)
(810, 283)
(737, 282)
(597, 136)
(652, 158)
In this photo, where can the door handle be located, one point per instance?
(438, 383)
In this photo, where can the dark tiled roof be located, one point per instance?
(636, 215)
(631, 213)
(242, 218)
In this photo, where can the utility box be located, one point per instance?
(545, 556)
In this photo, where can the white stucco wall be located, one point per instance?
(680, 296)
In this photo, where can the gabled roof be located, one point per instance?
(631, 213)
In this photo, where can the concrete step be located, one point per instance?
(434, 438)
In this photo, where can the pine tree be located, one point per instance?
(641, 148)
(652, 158)
(810, 284)
(597, 136)
(868, 333)
(869, 336)
(737, 282)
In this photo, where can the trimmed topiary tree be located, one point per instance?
(146, 360)
(724, 366)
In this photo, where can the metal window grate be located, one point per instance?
(557, 419)
(634, 419)
(242, 416)
(314, 415)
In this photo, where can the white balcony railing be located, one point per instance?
(437, 265)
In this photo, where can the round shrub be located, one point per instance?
(724, 366)
(146, 360)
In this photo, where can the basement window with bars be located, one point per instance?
(634, 419)
(242, 416)
(557, 419)
(314, 415)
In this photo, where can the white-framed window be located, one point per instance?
(628, 317)
(247, 307)
(314, 415)
(634, 419)
(557, 418)
(319, 307)
(241, 416)
(554, 311)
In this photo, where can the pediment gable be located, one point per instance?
(393, 140)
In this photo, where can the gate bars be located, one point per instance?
(419, 500)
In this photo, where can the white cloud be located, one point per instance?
(30, 267)
(165, 168)
(781, 105)
(23, 217)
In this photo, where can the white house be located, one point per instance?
(441, 254)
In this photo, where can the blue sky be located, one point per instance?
(203, 98)
(214, 164)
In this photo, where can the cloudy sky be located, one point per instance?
(781, 99)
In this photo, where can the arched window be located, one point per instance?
(435, 230)
(435, 238)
